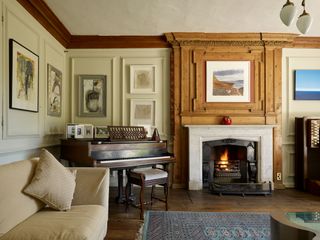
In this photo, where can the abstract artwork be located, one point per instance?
(228, 81)
(142, 112)
(54, 85)
(142, 79)
(92, 93)
(307, 85)
(24, 78)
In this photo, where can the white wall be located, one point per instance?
(294, 59)
(23, 133)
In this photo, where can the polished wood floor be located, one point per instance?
(124, 225)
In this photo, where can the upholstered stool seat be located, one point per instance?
(145, 178)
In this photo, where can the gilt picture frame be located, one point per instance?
(24, 78)
(54, 91)
(228, 81)
(92, 95)
(142, 79)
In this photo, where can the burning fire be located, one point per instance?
(224, 159)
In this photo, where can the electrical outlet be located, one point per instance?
(278, 176)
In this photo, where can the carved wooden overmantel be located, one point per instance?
(188, 87)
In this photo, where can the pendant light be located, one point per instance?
(304, 21)
(288, 12)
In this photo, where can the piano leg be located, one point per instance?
(120, 198)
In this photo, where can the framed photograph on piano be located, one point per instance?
(101, 132)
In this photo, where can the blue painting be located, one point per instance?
(307, 85)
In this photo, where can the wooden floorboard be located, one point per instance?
(124, 225)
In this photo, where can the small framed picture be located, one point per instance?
(88, 131)
(54, 89)
(307, 84)
(92, 95)
(79, 131)
(142, 112)
(70, 130)
(24, 78)
(142, 79)
(101, 132)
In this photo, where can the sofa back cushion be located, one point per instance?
(16, 206)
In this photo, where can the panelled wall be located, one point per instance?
(22, 133)
(189, 106)
(295, 59)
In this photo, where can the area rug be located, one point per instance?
(160, 225)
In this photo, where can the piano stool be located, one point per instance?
(145, 178)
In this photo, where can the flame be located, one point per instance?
(225, 155)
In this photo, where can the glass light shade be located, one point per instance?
(304, 22)
(287, 13)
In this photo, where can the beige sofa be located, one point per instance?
(24, 217)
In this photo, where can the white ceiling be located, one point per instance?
(154, 17)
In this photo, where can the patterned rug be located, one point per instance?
(171, 225)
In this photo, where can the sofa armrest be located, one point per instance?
(92, 187)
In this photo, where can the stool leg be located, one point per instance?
(152, 189)
(142, 201)
(127, 195)
(166, 194)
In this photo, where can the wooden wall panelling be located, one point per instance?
(263, 50)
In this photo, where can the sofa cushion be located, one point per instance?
(80, 222)
(52, 182)
(16, 206)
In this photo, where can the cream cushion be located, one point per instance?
(152, 173)
(52, 183)
(85, 222)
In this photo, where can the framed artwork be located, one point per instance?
(88, 131)
(54, 90)
(24, 78)
(228, 81)
(92, 95)
(307, 85)
(101, 132)
(142, 79)
(79, 131)
(142, 112)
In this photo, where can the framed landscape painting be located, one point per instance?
(54, 89)
(92, 95)
(228, 81)
(307, 85)
(24, 78)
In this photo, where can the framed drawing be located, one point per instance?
(101, 132)
(92, 95)
(54, 90)
(142, 112)
(228, 81)
(88, 131)
(24, 78)
(307, 85)
(142, 79)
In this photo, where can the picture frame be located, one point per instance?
(54, 91)
(92, 95)
(142, 112)
(23, 78)
(79, 131)
(228, 81)
(101, 132)
(142, 79)
(307, 84)
(88, 131)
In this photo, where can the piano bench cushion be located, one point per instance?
(149, 174)
(80, 222)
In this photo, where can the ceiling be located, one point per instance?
(154, 17)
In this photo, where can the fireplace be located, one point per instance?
(229, 160)
(250, 151)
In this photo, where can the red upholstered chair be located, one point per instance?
(145, 178)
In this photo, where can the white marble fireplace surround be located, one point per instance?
(262, 134)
